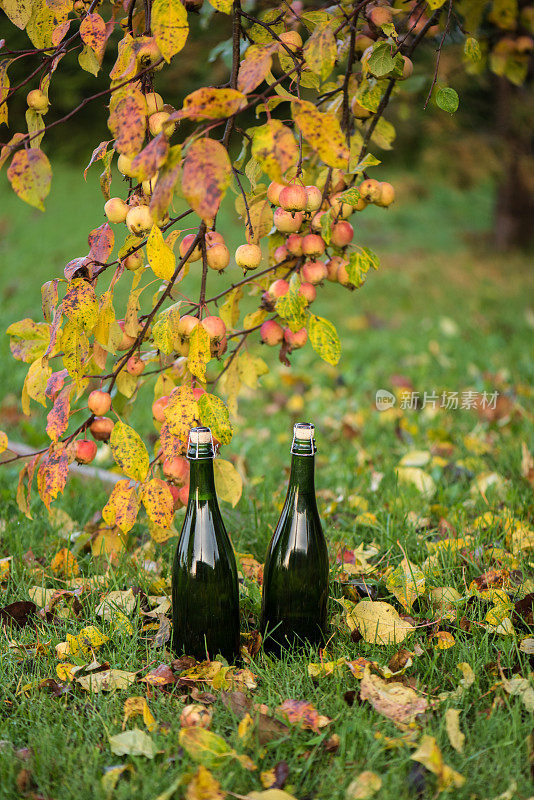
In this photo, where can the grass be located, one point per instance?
(445, 313)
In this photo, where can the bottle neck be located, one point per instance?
(302, 475)
(201, 478)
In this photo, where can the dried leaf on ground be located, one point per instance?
(393, 700)
(429, 755)
(133, 743)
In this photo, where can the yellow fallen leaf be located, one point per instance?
(378, 622)
(429, 755)
(393, 700)
(406, 582)
(204, 786)
(107, 680)
(443, 640)
(138, 706)
(452, 726)
(64, 671)
(364, 786)
(422, 481)
(64, 564)
(5, 566)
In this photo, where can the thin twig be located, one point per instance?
(434, 79)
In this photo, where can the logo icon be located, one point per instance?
(384, 400)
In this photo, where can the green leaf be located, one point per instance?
(472, 50)
(214, 414)
(324, 339)
(292, 305)
(447, 99)
(381, 62)
(132, 743)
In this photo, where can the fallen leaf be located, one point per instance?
(111, 777)
(138, 706)
(452, 726)
(160, 676)
(406, 583)
(132, 743)
(204, 786)
(378, 622)
(18, 613)
(64, 564)
(210, 749)
(393, 700)
(364, 786)
(442, 640)
(107, 680)
(429, 755)
(303, 713)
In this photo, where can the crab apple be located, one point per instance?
(315, 223)
(280, 254)
(360, 204)
(308, 291)
(273, 192)
(116, 210)
(175, 492)
(370, 190)
(158, 122)
(218, 257)
(186, 325)
(134, 261)
(139, 220)
(313, 272)
(196, 715)
(332, 267)
(186, 243)
(313, 245)
(176, 469)
(286, 221)
(148, 186)
(158, 408)
(101, 428)
(37, 100)
(213, 237)
(124, 165)
(271, 333)
(99, 402)
(292, 40)
(85, 451)
(296, 339)
(362, 42)
(338, 182)
(342, 234)
(135, 366)
(183, 494)
(154, 103)
(127, 341)
(294, 244)
(278, 288)
(380, 16)
(214, 327)
(359, 111)
(314, 198)
(197, 392)
(148, 54)
(293, 198)
(340, 207)
(386, 196)
(407, 68)
(248, 256)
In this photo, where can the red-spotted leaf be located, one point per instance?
(322, 132)
(149, 160)
(30, 175)
(93, 34)
(181, 412)
(275, 148)
(53, 473)
(158, 501)
(24, 488)
(127, 123)
(55, 383)
(211, 103)
(122, 507)
(101, 241)
(255, 67)
(129, 451)
(57, 420)
(80, 305)
(169, 25)
(97, 155)
(206, 175)
(167, 180)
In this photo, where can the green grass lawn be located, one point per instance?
(445, 314)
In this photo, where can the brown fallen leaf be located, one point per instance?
(18, 613)
(393, 700)
(160, 676)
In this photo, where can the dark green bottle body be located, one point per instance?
(205, 592)
(295, 581)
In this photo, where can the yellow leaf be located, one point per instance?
(64, 564)
(452, 725)
(320, 51)
(107, 680)
(199, 354)
(160, 257)
(181, 412)
(423, 482)
(30, 175)
(224, 6)
(129, 451)
(393, 700)
(18, 11)
(212, 103)
(229, 311)
(214, 414)
(364, 786)
(429, 755)
(122, 506)
(228, 481)
(132, 743)
(158, 501)
(204, 786)
(3, 442)
(275, 149)
(406, 583)
(138, 706)
(379, 622)
(206, 176)
(107, 542)
(322, 132)
(443, 640)
(169, 24)
(324, 339)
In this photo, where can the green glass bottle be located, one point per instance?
(295, 578)
(205, 593)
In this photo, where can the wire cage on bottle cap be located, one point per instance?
(304, 432)
(197, 437)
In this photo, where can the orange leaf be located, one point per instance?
(64, 564)
(127, 123)
(57, 420)
(93, 33)
(149, 160)
(255, 67)
(52, 474)
(303, 713)
(206, 176)
(101, 241)
(167, 179)
(211, 103)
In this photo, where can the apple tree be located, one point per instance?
(293, 134)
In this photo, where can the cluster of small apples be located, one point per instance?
(298, 215)
(99, 403)
(214, 327)
(247, 256)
